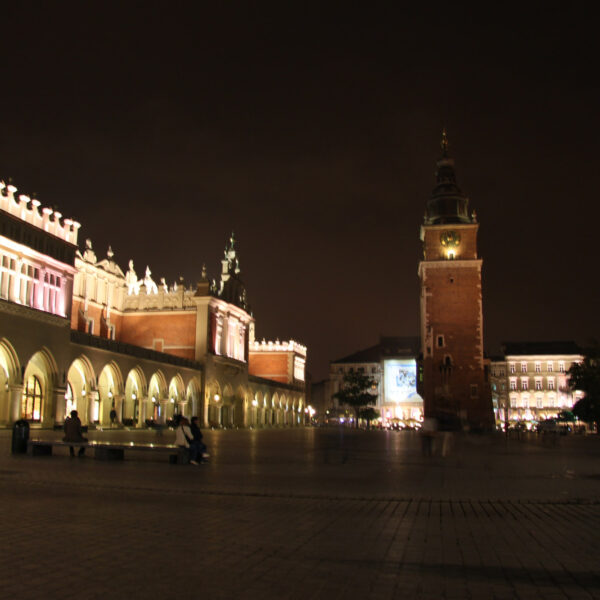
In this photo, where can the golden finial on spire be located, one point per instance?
(444, 143)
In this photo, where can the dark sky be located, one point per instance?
(313, 134)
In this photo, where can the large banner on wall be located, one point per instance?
(400, 380)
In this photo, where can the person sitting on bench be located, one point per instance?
(72, 429)
(184, 439)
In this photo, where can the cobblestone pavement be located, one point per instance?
(305, 514)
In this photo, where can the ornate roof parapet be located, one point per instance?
(27, 209)
(277, 346)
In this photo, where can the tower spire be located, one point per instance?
(444, 143)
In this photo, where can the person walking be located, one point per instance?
(73, 433)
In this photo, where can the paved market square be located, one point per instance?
(305, 513)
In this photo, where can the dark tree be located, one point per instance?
(585, 376)
(369, 414)
(354, 392)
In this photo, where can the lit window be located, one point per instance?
(550, 383)
(513, 367)
(513, 383)
(524, 383)
(523, 367)
(538, 367)
(539, 403)
(31, 402)
(561, 367)
(525, 401)
(538, 383)
(550, 367)
(513, 402)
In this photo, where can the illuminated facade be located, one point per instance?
(78, 332)
(393, 365)
(456, 386)
(529, 383)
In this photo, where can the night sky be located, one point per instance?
(313, 134)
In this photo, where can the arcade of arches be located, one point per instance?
(36, 388)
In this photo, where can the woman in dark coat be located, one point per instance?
(197, 434)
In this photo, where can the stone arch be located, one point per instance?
(275, 410)
(109, 394)
(193, 397)
(39, 389)
(9, 380)
(176, 397)
(214, 401)
(227, 406)
(157, 397)
(240, 407)
(81, 381)
(135, 392)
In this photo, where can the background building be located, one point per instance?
(529, 382)
(393, 366)
(78, 332)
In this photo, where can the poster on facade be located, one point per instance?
(400, 380)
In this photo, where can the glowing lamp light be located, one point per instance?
(216, 397)
(172, 400)
(153, 398)
(83, 392)
(133, 397)
(451, 254)
(110, 394)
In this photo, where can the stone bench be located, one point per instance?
(109, 450)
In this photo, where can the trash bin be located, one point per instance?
(20, 436)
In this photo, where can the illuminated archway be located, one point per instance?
(176, 398)
(135, 392)
(9, 379)
(38, 388)
(110, 390)
(80, 383)
(157, 397)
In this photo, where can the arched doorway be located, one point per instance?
(110, 390)
(9, 381)
(38, 387)
(135, 391)
(157, 398)
(80, 382)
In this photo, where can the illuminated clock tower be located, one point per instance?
(455, 383)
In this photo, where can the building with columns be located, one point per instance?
(78, 332)
(456, 385)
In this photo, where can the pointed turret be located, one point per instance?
(448, 204)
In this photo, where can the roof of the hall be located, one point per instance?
(388, 347)
(525, 348)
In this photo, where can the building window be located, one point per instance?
(550, 383)
(111, 332)
(524, 383)
(525, 401)
(538, 383)
(361, 369)
(550, 366)
(513, 383)
(31, 402)
(512, 367)
(513, 402)
(561, 367)
(474, 390)
(440, 341)
(539, 403)
(538, 367)
(373, 369)
(523, 367)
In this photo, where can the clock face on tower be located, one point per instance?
(450, 239)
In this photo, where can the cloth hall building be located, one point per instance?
(79, 333)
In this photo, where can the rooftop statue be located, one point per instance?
(133, 283)
(151, 287)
